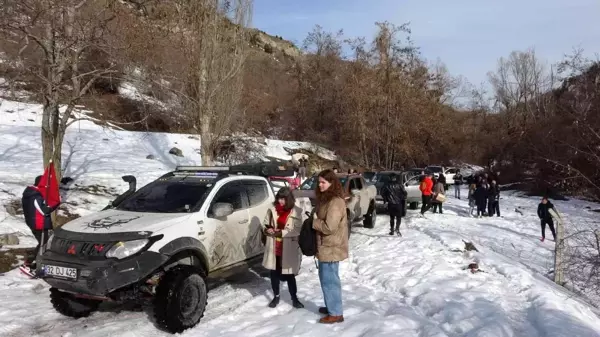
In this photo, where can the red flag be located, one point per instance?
(48, 186)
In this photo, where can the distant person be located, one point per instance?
(303, 167)
(426, 187)
(493, 199)
(37, 217)
(282, 255)
(481, 199)
(394, 194)
(471, 197)
(458, 180)
(545, 216)
(438, 188)
(331, 224)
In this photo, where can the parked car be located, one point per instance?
(161, 242)
(413, 193)
(369, 175)
(360, 197)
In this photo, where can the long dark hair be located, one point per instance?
(335, 190)
(286, 194)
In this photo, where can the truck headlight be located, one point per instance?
(49, 242)
(125, 249)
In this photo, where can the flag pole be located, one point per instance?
(42, 242)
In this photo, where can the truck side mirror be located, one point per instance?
(222, 209)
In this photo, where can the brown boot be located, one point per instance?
(323, 310)
(331, 319)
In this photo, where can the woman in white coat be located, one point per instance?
(282, 253)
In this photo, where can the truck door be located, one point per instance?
(260, 201)
(230, 232)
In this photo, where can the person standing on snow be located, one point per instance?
(494, 199)
(37, 217)
(282, 254)
(545, 216)
(394, 194)
(426, 187)
(471, 197)
(438, 188)
(331, 224)
(458, 180)
(481, 199)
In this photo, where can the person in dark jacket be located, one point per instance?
(481, 195)
(545, 216)
(394, 194)
(458, 180)
(37, 217)
(494, 199)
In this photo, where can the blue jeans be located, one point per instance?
(331, 286)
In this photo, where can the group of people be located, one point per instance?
(432, 192)
(484, 194)
(282, 254)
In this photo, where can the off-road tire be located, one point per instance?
(371, 216)
(71, 306)
(181, 298)
(414, 205)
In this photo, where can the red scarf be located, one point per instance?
(282, 217)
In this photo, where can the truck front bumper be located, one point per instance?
(99, 278)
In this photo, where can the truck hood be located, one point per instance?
(115, 221)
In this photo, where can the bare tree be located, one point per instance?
(55, 37)
(208, 47)
(520, 80)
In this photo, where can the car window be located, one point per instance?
(358, 183)
(257, 192)
(451, 171)
(413, 181)
(232, 193)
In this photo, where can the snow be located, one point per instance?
(414, 285)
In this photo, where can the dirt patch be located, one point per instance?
(9, 259)
(14, 207)
(64, 216)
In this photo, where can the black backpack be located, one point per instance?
(308, 238)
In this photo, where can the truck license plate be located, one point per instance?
(61, 272)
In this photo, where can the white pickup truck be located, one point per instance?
(162, 241)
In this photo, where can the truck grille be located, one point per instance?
(79, 248)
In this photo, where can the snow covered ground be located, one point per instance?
(416, 285)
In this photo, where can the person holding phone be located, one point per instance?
(282, 254)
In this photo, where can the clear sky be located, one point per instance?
(467, 35)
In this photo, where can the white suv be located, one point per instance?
(162, 241)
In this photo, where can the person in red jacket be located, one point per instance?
(426, 192)
(37, 217)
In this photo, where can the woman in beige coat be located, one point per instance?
(331, 224)
(282, 253)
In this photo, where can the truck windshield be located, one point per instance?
(166, 197)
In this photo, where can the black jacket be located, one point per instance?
(481, 195)
(458, 179)
(393, 193)
(544, 211)
(35, 210)
(494, 193)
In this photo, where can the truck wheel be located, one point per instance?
(181, 298)
(414, 205)
(71, 306)
(371, 216)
